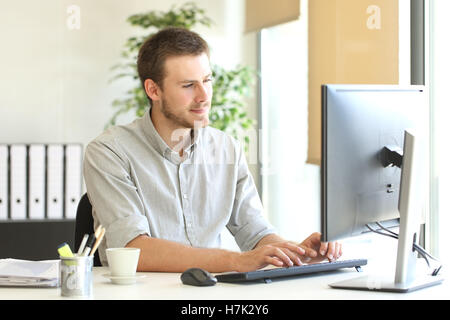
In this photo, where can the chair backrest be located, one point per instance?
(84, 224)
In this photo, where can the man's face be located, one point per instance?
(187, 91)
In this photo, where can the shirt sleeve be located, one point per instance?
(113, 194)
(247, 224)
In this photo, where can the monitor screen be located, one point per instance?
(358, 187)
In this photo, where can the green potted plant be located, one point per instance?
(228, 109)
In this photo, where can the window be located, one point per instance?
(439, 94)
(283, 125)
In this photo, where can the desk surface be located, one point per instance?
(167, 286)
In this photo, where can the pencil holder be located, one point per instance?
(76, 276)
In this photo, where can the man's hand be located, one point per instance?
(280, 254)
(317, 251)
(273, 250)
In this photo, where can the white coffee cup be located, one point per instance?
(123, 261)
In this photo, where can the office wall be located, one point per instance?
(350, 41)
(54, 78)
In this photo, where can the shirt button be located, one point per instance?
(185, 195)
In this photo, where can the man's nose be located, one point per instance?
(202, 93)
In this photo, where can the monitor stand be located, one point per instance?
(387, 284)
(410, 204)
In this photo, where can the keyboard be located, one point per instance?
(268, 274)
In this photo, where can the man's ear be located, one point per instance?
(152, 89)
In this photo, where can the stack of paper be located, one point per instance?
(25, 273)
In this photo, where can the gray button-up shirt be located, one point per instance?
(138, 185)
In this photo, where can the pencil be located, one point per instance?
(97, 231)
(97, 243)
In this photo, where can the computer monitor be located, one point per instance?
(374, 169)
(360, 123)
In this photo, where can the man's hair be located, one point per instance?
(167, 43)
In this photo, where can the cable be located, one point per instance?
(395, 236)
(418, 248)
(386, 229)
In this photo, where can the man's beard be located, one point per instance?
(181, 121)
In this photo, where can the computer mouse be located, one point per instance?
(198, 277)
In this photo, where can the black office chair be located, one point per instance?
(84, 224)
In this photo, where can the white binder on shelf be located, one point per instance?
(4, 198)
(36, 181)
(73, 174)
(55, 181)
(18, 181)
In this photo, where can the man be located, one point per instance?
(169, 184)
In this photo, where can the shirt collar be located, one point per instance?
(161, 146)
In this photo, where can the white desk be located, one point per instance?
(168, 286)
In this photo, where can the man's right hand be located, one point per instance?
(279, 254)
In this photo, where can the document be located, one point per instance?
(4, 182)
(18, 155)
(55, 181)
(26, 273)
(73, 159)
(36, 181)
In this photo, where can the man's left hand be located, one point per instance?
(317, 251)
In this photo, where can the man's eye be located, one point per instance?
(208, 80)
(187, 85)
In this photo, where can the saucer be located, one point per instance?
(124, 279)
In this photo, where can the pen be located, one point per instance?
(97, 243)
(83, 243)
(89, 240)
(89, 244)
